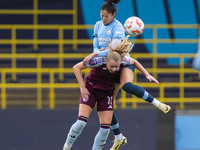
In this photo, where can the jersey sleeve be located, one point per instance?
(96, 45)
(125, 62)
(95, 38)
(96, 62)
(96, 28)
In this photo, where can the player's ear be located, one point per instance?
(106, 60)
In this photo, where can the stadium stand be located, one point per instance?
(41, 41)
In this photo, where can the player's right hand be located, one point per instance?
(89, 57)
(84, 93)
(102, 49)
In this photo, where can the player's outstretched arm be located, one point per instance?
(77, 71)
(144, 71)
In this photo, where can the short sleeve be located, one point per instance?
(96, 28)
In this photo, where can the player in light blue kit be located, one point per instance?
(107, 30)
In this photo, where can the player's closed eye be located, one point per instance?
(104, 16)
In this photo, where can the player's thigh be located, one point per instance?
(105, 117)
(126, 75)
(84, 110)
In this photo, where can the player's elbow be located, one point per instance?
(79, 66)
(75, 67)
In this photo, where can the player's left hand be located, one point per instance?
(151, 78)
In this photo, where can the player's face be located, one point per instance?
(112, 65)
(106, 17)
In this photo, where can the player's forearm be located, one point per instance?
(77, 71)
(140, 68)
(103, 53)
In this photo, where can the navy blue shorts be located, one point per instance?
(117, 79)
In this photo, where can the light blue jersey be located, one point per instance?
(102, 33)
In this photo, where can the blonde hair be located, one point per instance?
(114, 56)
(122, 48)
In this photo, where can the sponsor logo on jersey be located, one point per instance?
(104, 68)
(118, 32)
(90, 83)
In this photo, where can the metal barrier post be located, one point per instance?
(75, 21)
(3, 90)
(39, 83)
(35, 22)
(61, 52)
(52, 91)
(181, 82)
(13, 32)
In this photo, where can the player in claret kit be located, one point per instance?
(98, 88)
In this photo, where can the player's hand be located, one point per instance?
(127, 59)
(151, 78)
(84, 93)
(89, 57)
(102, 49)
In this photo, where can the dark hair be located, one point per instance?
(109, 6)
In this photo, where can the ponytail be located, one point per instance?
(109, 6)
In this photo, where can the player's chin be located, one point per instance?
(111, 71)
(105, 23)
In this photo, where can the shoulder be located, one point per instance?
(97, 24)
(118, 24)
(118, 30)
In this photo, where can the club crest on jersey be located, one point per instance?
(108, 32)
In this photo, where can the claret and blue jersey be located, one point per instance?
(99, 61)
(99, 76)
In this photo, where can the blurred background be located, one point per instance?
(40, 41)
